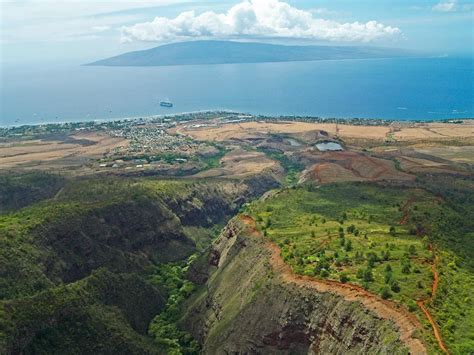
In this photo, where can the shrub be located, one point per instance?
(406, 269)
(394, 286)
(348, 246)
(324, 273)
(368, 276)
(412, 306)
(343, 277)
(385, 293)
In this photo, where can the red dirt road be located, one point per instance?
(421, 304)
(406, 322)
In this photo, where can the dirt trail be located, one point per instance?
(406, 211)
(421, 304)
(406, 322)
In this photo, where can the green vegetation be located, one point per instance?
(104, 312)
(291, 166)
(213, 161)
(379, 238)
(97, 255)
(20, 190)
(163, 328)
(347, 231)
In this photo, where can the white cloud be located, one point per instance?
(255, 18)
(446, 6)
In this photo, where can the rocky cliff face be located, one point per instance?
(246, 307)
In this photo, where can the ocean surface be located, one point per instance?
(402, 89)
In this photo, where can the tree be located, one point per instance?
(394, 286)
(385, 293)
(371, 259)
(342, 241)
(343, 277)
(368, 276)
(348, 245)
(406, 268)
(269, 223)
(324, 273)
(392, 231)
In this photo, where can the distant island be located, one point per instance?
(228, 52)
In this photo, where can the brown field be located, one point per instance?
(437, 131)
(462, 154)
(408, 132)
(351, 166)
(240, 163)
(56, 153)
(419, 165)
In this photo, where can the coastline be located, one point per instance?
(183, 116)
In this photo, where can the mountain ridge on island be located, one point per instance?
(230, 52)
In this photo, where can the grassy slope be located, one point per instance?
(306, 223)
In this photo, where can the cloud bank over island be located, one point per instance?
(255, 19)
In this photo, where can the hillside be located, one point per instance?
(94, 255)
(226, 52)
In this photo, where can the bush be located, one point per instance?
(394, 286)
(368, 276)
(324, 273)
(343, 277)
(385, 293)
(412, 306)
(348, 246)
(406, 269)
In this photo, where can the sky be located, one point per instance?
(78, 31)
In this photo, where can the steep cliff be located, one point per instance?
(247, 305)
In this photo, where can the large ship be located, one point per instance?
(166, 104)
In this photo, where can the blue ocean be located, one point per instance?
(401, 89)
